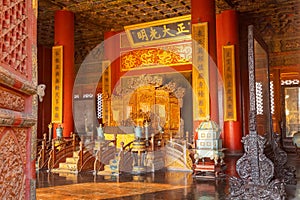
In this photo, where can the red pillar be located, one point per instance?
(227, 33)
(219, 49)
(109, 44)
(64, 35)
(204, 11)
(111, 50)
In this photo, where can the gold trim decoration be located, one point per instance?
(160, 31)
(228, 60)
(57, 84)
(35, 7)
(126, 138)
(201, 104)
(169, 55)
(106, 91)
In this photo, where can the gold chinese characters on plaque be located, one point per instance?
(229, 82)
(200, 71)
(160, 31)
(57, 84)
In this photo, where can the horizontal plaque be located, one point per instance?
(161, 31)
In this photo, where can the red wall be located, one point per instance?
(44, 77)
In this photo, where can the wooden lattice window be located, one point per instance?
(14, 34)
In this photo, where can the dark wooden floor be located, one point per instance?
(160, 185)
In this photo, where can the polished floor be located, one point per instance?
(160, 185)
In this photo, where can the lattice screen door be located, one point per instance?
(18, 99)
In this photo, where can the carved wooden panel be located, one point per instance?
(12, 165)
(18, 99)
(174, 114)
(14, 35)
(162, 108)
(11, 100)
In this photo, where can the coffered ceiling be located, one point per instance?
(277, 20)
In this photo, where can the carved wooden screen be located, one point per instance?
(18, 102)
(259, 85)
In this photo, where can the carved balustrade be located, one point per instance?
(61, 149)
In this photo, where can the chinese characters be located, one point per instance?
(163, 30)
(57, 74)
(229, 83)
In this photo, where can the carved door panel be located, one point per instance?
(174, 115)
(162, 108)
(18, 100)
(145, 101)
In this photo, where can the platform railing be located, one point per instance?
(180, 152)
(43, 149)
(61, 149)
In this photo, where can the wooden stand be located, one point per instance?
(208, 169)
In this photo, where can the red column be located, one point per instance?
(111, 50)
(227, 33)
(64, 35)
(109, 44)
(219, 49)
(204, 11)
(276, 118)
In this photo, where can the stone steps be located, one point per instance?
(112, 168)
(70, 166)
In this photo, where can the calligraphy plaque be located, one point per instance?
(160, 31)
(229, 82)
(200, 71)
(57, 84)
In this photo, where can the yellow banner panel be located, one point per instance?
(57, 84)
(228, 60)
(201, 104)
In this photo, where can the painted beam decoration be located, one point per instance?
(167, 55)
(57, 84)
(200, 71)
(160, 31)
(229, 83)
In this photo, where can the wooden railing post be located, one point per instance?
(74, 141)
(152, 141)
(52, 156)
(45, 137)
(54, 152)
(43, 152)
(122, 146)
(83, 138)
(115, 138)
(184, 151)
(187, 136)
(162, 141)
(80, 154)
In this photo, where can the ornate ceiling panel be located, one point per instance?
(277, 20)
